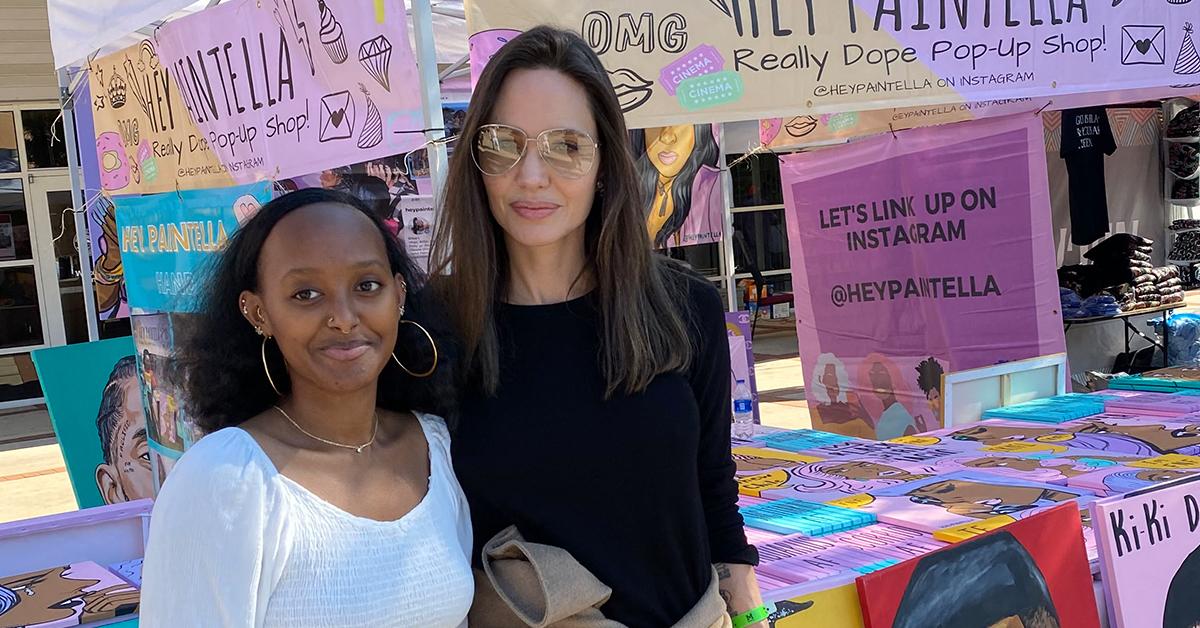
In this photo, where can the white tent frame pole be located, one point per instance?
(82, 240)
(431, 93)
(453, 69)
(727, 252)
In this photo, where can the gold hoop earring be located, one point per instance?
(266, 369)
(431, 344)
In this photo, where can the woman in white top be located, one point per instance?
(314, 500)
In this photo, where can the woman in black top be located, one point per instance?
(596, 414)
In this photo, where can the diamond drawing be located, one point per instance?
(376, 56)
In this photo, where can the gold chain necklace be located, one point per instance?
(358, 449)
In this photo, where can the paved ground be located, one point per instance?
(33, 477)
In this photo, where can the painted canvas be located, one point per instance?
(801, 559)
(984, 434)
(1155, 403)
(1133, 436)
(962, 497)
(967, 531)
(895, 452)
(1032, 573)
(826, 480)
(679, 172)
(71, 595)
(1113, 433)
(755, 460)
(95, 404)
(1054, 468)
(833, 607)
(1138, 474)
(1150, 555)
(130, 570)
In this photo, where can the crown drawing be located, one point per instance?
(116, 91)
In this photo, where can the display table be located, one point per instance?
(1124, 317)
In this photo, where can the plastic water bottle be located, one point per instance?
(743, 411)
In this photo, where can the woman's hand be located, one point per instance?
(739, 589)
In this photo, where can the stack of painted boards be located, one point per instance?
(1174, 379)
(82, 593)
(838, 519)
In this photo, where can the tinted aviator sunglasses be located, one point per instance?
(499, 148)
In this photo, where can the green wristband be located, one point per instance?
(751, 616)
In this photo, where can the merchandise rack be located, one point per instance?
(1176, 209)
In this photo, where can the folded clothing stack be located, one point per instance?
(1119, 259)
(1071, 303)
(1186, 123)
(1187, 240)
(1183, 159)
(1185, 190)
(1076, 279)
(1102, 304)
(1169, 284)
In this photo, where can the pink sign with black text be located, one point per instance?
(914, 255)
(281, 88)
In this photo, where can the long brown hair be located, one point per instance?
(640, 296)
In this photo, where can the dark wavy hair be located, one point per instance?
(705, 153)
(929, 375)
(220, 355)
(1181, 609)
(977, 584)
(643, 330)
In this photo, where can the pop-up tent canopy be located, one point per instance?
(83, 28)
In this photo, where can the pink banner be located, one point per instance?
(914, 256)
(281, 88)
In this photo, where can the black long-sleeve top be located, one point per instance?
(639, 488)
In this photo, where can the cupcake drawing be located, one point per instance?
(331, 35)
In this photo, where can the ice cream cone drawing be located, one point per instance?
(1189, 60)
(372, 131)
(331, 35)
(376, 56)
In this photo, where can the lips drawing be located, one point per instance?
(667, 157)
(632, 90)
(801, 126)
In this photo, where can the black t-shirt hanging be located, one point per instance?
(1086, 139)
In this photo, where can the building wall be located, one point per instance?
(26, 60)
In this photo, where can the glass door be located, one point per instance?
(58, 253)
(33, 182)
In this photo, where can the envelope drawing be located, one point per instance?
(337, 117)
(1143, 45)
